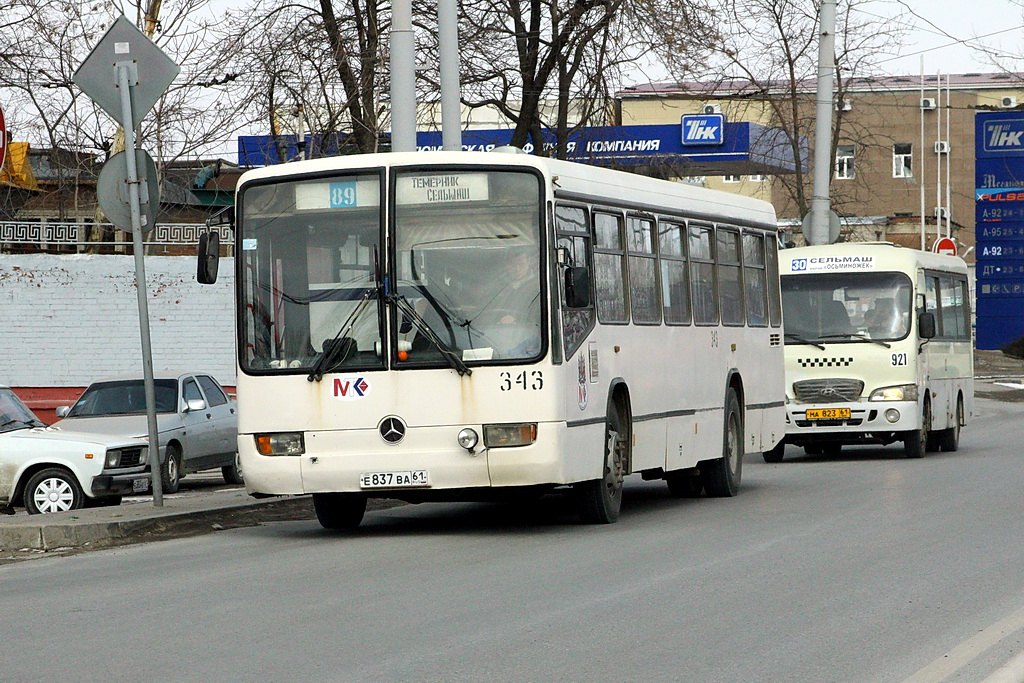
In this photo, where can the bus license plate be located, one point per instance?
(828, 414)
(390, 480)
(140, 485)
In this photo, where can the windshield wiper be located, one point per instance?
(424, 328)
(29, 423)
(334, 354)
(857, 335)
(801, 340)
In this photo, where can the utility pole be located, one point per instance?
(820, 204)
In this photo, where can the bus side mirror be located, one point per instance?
(926, 325)
(209, 257)
(577, 287)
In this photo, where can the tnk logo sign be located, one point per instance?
(1004, 135)
(704, 129)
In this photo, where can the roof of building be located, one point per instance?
(748, 88)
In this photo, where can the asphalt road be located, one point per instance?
(865, 567)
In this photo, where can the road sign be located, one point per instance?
(944, 245)
(154, 71)
(3, 139)
(833, 227)
(113, 194)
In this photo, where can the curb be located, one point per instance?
(81, 531)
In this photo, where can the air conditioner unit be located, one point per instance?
(928, 103)
(844, 105)
(712, 109)
(941, 147)
(1008, 102)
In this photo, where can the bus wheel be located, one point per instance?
(915, 442)
(339, 510)
(684, 484)
(722, 477)
(599, 500)
(949, 439)
(775, 454)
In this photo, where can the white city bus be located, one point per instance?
(461, 326)
(878, 348)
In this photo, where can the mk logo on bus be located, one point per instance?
(348, 388)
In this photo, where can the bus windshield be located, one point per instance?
(846, 307)
(469, 263)
(316, 282)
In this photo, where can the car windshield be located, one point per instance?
(127, 397)
(14, 414)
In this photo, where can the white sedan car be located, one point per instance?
(196, 421)
(49, 470)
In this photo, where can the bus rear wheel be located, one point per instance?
(339, 510)
(599, 500)
(722, 477)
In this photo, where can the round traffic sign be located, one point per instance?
(944, 245)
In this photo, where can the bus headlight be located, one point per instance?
(468, 439)
(901, 392)
(113, 458)
(499, 436)
(282, 443)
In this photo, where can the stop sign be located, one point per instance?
(3, 139)
(944, 245)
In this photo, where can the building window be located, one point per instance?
(756, 178)
(732, 178)
(844, 162)
(902, 160)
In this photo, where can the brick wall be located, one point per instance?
(66, 321)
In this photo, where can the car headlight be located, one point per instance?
(900, 392)
(113, 457)
(281, 443)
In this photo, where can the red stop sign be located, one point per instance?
(944, 245)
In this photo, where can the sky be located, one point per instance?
(948, 33)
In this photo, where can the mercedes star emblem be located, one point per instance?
(392, 429)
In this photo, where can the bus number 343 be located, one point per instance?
(527, 381)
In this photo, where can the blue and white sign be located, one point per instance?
(999, 231)
(703, 129)
(1002, 136)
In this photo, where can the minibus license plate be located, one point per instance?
(828, 414)
(388, 480)
(140, 485)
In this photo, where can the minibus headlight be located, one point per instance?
(499, 436)
(900, 392)
(281, 443)
(468, 439)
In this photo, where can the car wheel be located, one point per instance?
(233, 473)
(53, 490)
(915, 442)
(339, 510)
(170, 471)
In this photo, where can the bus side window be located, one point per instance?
(573, 245)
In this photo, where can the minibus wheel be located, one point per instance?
(915, 442)
(949, 439)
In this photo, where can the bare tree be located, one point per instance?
(766, 56)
